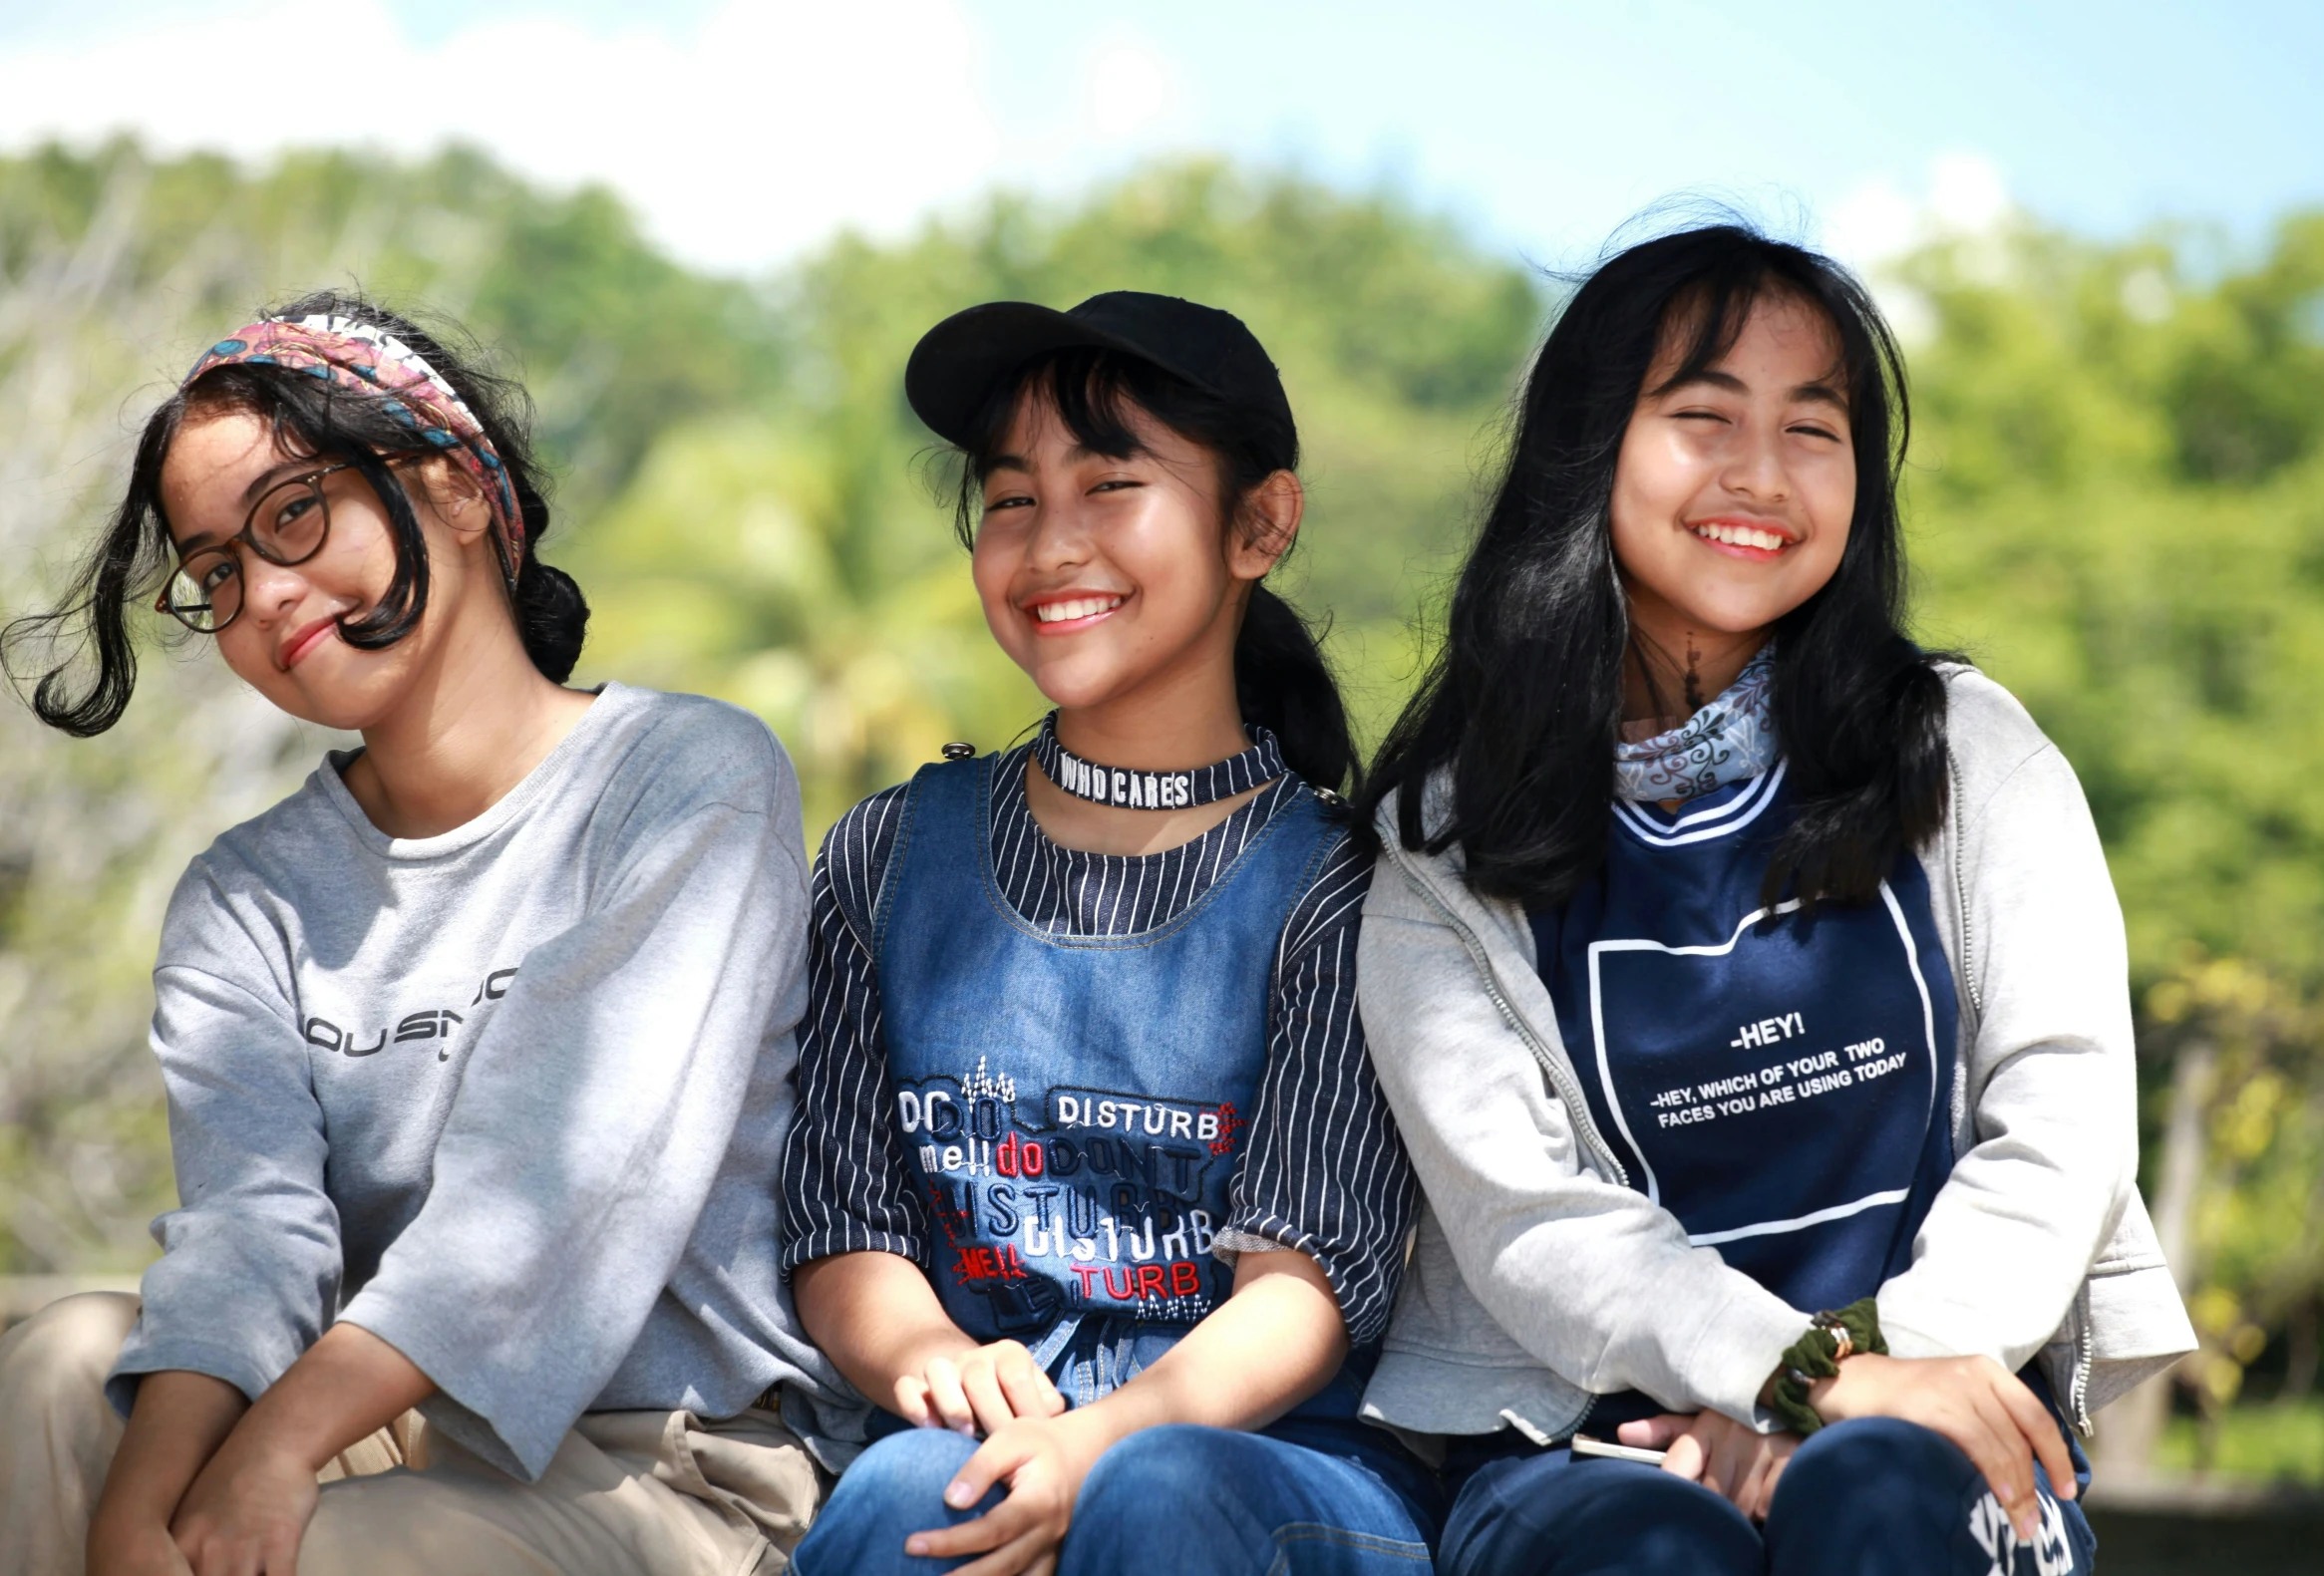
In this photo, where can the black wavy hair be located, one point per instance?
(86, 691)
(1282, 680)
(1521, 712)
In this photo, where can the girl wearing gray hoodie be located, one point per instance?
(1749, 988)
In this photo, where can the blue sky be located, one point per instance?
(748, 129)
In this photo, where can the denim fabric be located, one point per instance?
(1191, 1501)
(1073, 1105)
(1874, 1498)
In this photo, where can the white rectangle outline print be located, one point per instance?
(1597, 1023)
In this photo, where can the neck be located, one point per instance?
(1182, 718)
(1672, 672)
(475, 721)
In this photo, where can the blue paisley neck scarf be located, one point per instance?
(1729, 740)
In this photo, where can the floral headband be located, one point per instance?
(368, 360)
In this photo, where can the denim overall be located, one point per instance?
(1072, 1106)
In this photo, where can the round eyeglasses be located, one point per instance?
(288, 526)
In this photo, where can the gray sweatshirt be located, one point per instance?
(1539, 1277)
(510, 1098)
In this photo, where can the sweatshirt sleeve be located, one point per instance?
(2052, 1083)
(596, 1107)
(1590, 1277)
(250, 1266)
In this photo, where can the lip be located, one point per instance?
(1745, 523)
(1031, 607)
(304, 640)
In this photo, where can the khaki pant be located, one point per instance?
(640, 1493)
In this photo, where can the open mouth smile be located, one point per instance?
(1068, 614)
(1743, 538)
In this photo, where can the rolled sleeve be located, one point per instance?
(847, 1186)
(1326, 1173)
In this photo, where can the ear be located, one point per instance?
(1269, 525)
(457, 498)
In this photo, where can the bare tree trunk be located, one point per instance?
(2134, 1424)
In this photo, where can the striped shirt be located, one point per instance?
(1324, 1171)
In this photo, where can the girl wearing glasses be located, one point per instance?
(1092, 1188)
(477, 1046)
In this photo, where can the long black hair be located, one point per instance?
(1282, 681)
(1522, 710)
(85, 685)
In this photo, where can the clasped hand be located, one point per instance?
(1985, 1410)
(998, 1391)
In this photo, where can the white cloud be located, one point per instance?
(740, 139)
(1959, 195)
(1129, 91)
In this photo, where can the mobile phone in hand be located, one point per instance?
(1583, 1444)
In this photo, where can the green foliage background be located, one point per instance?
(2117, 500)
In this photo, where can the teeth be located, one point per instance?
(1741, 536)
(1079, 607)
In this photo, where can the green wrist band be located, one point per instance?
(1831, 1340)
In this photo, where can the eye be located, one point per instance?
(1008, 500)
(1701, 416)
(217, 574)
(1116, 485)
(296, 508)
(1814, 430)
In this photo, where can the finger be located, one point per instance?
(911, 1402)
(1655, 1433)
(983, 1388)
(2042, 1433)
(1022, 1555)
(994, 1459)
(282, 1558)
(1765, 1499)
(2001, 1454)
(1683, 1458)
(950, 1400)
(995, 1529)
(1030, 1392)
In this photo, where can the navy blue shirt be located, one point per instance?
(1781, 1085)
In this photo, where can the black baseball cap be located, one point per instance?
(958, 363)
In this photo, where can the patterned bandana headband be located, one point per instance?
(369, 361)
(1261, 763)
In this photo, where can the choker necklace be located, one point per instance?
(1118, 786)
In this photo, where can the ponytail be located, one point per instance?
(1283, 684)
(552, 617)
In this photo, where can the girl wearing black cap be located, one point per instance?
(1089, 1141)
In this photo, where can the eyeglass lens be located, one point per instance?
(286, 527)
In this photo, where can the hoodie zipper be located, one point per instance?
(2078, 1384)
(1560, 1077)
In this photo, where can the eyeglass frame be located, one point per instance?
(248, 536)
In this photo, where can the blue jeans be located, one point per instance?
(1191, 1501)
(1876, 1496)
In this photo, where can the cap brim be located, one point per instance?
(957, 364)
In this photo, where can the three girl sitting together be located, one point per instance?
(1705, 1033)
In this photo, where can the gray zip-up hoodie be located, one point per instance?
(1540, 1278)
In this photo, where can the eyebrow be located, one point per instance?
(267, 478)
(1817, 393)
(1074, 456)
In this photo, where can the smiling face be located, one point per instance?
(285, 642)
(1735, 489)
(1106, 577)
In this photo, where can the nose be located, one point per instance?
(1755, 465)
(269, 591)
(1061, 537)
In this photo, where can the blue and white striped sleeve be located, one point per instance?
(847, 1186)
(1326, 1172)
